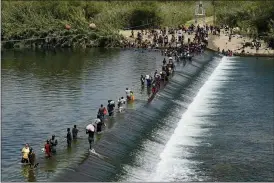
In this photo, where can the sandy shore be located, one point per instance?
(236, 45)
(222, 42)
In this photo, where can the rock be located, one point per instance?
(68, 27)
(92, 26)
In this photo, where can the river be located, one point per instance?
(208, 126)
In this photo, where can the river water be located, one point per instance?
(214, 125)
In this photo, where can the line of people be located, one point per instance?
(155, 82)
(28, 156)
(103, 111)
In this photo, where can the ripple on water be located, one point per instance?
(50, 95)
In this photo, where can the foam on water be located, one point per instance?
(171, 168)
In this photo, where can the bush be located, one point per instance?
(253, 17)
(145, 16)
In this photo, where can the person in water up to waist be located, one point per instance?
(25, 152)
(155, 73)
(74, 132)
(99, 125)
(131, 95)
(128, 93)
(102, 112)
(111, 106)
(53, 144)
(47, 149)
(153, 89)
(31, 157)
(142, 80)
(121, 102)
(69, 138)
(149, 80)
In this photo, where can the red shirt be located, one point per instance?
(47, 148)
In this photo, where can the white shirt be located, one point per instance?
(180, 32)
(97, 121)
(128, 92)
(121, 101)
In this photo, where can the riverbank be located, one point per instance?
(236, 45)
(216, 43)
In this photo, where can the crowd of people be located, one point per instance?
(170, 37)
(178, 52)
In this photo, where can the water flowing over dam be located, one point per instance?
(121, 144)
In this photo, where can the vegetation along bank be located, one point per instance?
(97, 23)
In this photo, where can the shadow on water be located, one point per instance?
(55, 64)
(121, 142)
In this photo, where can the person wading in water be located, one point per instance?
(69, 138)
(25, 152)
(90, 138)
(142, 80)
(47, 149)
(111, 106)
(53, 144)
(74, 132)
(32, 159)
(101, 113)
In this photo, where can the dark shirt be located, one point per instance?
(31, 158)
(69, 136)
(90, 134)
(74, 132)
(99, 126)
(111, 107)
(142, 79)
(53, 142)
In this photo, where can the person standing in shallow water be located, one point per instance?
(74, 132)
(53, 144)
(110, 107)
(101, 112)
(69, 138)
(90, 137)
(25, 153)
(32, 159)
(142, 80)
(47, 149)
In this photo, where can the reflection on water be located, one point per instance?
(28, 173)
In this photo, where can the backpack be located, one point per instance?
(105, 111)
